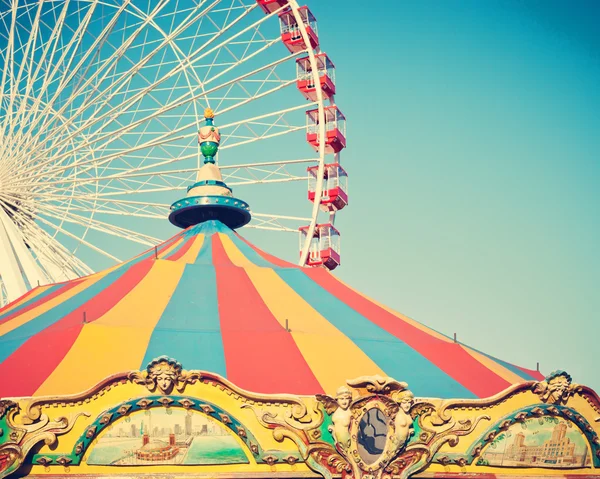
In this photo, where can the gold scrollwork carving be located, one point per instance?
(23, 437)
(372, 420)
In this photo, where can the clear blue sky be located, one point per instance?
(474, 161)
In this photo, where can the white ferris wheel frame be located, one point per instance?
(53, 262)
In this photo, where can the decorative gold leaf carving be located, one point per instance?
(26, 436)
(557, 388)
(164, 374)
(400, 457)
(5, 405)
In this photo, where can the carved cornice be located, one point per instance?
(330, 433)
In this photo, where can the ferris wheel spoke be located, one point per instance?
(245, 173)
(70, 48)
(65, 232)
(30, 47)
(289, 224)
(37, 236)
(65, 210)
(175, 134)
(51, 252)
(106, 65)
(46, 246)
(50, 46)
(186, 98)
(94, 49)
(64, 214)
(9, 64)
(262, 127)
(133, 70)
(120, 207)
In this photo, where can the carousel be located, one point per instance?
(208, 357)
(205, 356)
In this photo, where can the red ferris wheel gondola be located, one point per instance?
(305, 78)
(335, 129)
(291, 35)
(324, 247)
(334, 194)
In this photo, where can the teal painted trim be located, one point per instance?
(531, 412)
(210, 200)
(209, 183)
(112, 415)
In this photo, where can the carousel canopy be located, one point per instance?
(217, 303)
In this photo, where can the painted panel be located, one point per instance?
(165, 436)
(538, 442)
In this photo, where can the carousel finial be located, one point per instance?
(209, 198)
(209, 137)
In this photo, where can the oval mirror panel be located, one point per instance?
(372, 435)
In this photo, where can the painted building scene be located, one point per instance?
(175, 301)
(157, 437)
(542, 443)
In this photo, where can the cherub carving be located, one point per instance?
(341, 415)
(403, 422)
(163, 374)
(556, 388)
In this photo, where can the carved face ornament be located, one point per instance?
(405, 400)
(343, 397)
(406, 403)
(558, 386)
(163, 375)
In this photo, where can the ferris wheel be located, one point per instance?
(100, 102)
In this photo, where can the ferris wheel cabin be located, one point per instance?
(324, 249)
(291, 34)
(335, 129)
(335, 187)
(270, 6)
(305, 79)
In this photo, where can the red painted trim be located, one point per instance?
(449, 357)
(260, 355)
(41, 354)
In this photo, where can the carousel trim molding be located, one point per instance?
(373, 428)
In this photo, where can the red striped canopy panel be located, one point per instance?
(217, 303)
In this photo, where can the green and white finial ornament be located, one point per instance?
(209, 137)
(209, 198)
